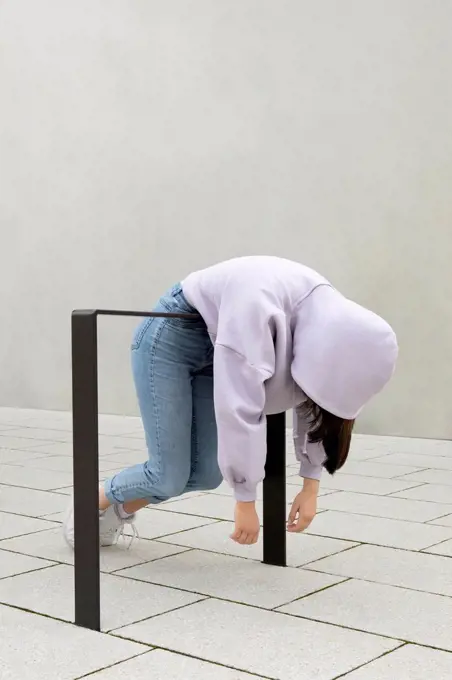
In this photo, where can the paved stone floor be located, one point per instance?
(367, 596)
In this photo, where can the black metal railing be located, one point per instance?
(86, 468)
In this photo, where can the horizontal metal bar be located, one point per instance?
(125, 312)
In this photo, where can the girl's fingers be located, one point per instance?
(244, 538)
(299, 526)
(292, 514)
(294, 522)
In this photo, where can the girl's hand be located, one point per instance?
(304, 508)
(247, 525)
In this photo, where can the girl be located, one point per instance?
(268, 335)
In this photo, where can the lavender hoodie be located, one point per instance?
(282, 333)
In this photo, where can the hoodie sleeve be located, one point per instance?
(244, 359)
(239, 395)
(310, 456)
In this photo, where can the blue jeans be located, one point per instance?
(172, 361)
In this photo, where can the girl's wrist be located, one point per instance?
(311, 486)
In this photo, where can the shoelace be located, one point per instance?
(121, 532)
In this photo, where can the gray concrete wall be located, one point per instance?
(142, 139)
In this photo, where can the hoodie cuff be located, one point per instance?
(310, 471)
(244, 495)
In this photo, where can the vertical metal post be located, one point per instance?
(275, 492)
(86, 468)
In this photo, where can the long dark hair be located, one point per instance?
(335, 434)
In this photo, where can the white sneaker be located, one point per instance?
(111, 526)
